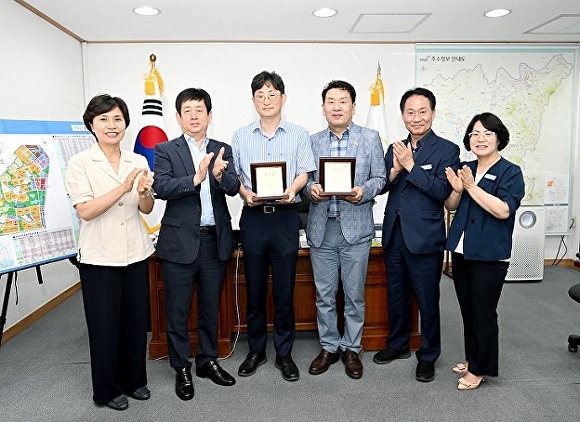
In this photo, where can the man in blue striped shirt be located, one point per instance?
(269, 229)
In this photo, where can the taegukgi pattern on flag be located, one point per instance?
(152, 132)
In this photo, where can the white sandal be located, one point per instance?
(462, 384)
(460, 368)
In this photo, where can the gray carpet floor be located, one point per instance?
(45, 373)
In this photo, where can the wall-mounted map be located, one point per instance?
(37, 221)
(532, 89)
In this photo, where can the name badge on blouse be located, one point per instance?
(427, 167)
(490, 176)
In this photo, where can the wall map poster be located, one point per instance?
(37, 221)
(532, 90)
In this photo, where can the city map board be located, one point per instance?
(37, 221)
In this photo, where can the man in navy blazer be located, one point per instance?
(192, 174)
(414, 231)
(340, 228)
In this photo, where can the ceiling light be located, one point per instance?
(497, 13)
(146, 11)
(324, 12)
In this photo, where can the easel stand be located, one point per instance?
(11, 276)
(5, 303)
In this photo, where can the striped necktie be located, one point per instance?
(337, 149)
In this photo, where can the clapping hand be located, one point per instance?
(201, 172)
(466, 177)
(130, 180)
(220, 165)
(402, 156)
(462, 180)
(454, 180)
(145, 182)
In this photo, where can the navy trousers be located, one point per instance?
(207, 272)
(270, 240)
(420, 273)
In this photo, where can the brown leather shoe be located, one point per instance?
(322, 362)
(352, 364)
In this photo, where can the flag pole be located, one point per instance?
(152, 132)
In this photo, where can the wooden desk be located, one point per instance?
(376, 321)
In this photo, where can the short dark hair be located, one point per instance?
(192, 94)
(271, 78)
(103, 103)
(418, 91)
(492, 123)
(345, 86)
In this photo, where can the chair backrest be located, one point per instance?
(574, 292)
(303, 207)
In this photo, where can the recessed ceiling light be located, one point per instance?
(324, 12)
(497, 13)
(146, 11)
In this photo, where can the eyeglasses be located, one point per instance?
(487, 135)
(272, 96)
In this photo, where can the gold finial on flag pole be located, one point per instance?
(377, 89)
(377, 117)
(153, 76)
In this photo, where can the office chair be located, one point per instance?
(303, 207)
(573, 339)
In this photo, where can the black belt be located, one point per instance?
(272, 208)
(203, 230)
(337, 218)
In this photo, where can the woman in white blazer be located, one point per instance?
(108, 187)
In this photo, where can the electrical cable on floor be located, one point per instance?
(237, 307)
(562, 242)
(236, 303)
(578, 253)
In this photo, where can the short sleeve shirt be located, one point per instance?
(290, 143)
(117, 237)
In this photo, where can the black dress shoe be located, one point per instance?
(288, 368)
(216, 373)
(388, 354)
(251, 363)
(425, 371)
(142, 393)
(183, 383)
(119, 403)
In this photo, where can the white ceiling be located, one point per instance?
(101, 21)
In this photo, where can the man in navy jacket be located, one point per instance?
(192, 173)
(414, 231)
